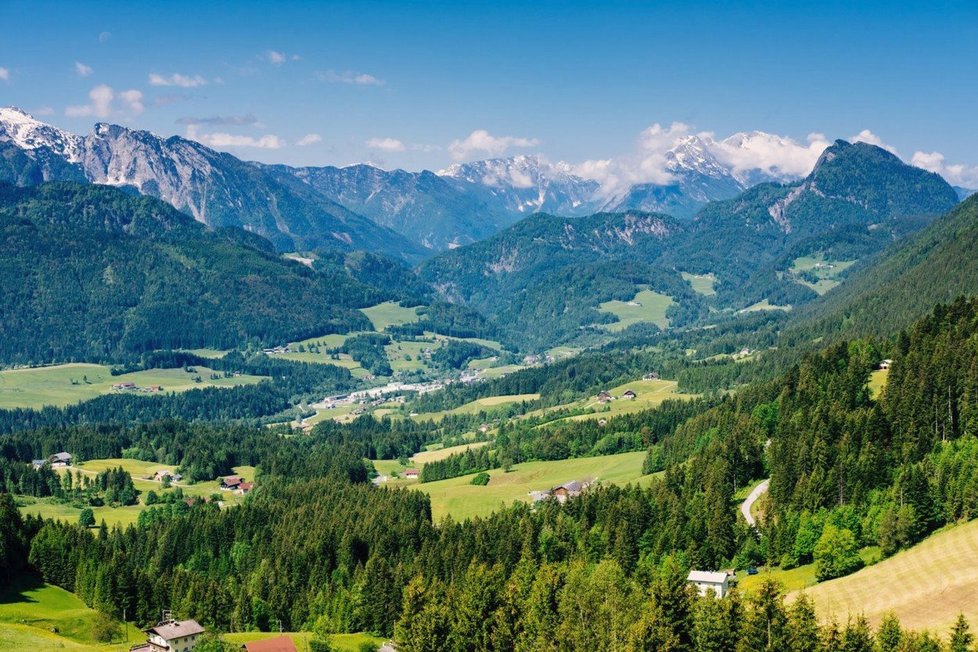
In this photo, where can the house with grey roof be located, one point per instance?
(171, 636)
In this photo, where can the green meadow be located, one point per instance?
(704, 284)
(126, 515)
(66, 384)
(389, 313)
(41, 618)
(647, 307)
(458, 498)
(828, 272)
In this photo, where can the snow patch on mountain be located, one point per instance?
(26, 132)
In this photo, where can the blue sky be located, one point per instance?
(397, 83)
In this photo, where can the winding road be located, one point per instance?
(751, 499)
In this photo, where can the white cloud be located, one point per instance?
(176, 79)
(957, 174)
(309, 139)
(867, 136)
(481, 143)
(82, 69)
(778, 156)
(648, 164)
(4, 74)
(101, 100)
(386, 144)
(234, 120)
(133, 100)
(277, 58)
(100, 104)
(220, 140)
(350, 77)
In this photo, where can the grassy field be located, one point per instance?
(649, 394)
(926, 586)
(478, 405)
(30, 609)
(877, 381)
(647, 306)
(72, 383)
(210, 354)
(500, 371)
(827, 271)
(796, 579)
(389, 313)
(460, 499)
(338, 642)
(764, 305)
(127, 515)
(701, 283)
(437, 454)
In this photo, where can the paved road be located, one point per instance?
(751, 499)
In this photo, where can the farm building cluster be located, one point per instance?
(236, 484)
(562, 492)
(133, 387)
(55, 461)
(606, 397)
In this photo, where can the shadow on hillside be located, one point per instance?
(19, 589)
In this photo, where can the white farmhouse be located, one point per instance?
(706, 580)
(171, 636)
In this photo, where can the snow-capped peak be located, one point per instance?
(25, 131)
(694, 154)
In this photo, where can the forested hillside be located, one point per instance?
(846, 471)
(556, 271)
(909, 279)
(92, 273)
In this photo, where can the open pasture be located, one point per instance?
(647, 306)
(927, 586)
(704, 284)
(67, 384)
(458, 498)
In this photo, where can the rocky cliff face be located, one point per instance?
(215, 188)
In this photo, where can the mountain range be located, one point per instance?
(410, 215)
(553, 272)
(213, 187)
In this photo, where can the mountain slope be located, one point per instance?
(524, 184)
(858, 199)
(934, 266)
(541, 280)
(425, 208)
(548, 275)
(216, 188)
(91, 273)
(699, 178)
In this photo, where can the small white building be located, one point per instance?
(173, 636)
(706, 580)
